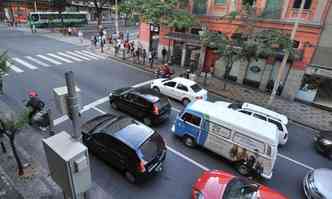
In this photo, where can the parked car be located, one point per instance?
(126, 144)
(323, 143)
(142, 103)
(222, 185)
(317, 184)
(259, 112)
(179, 88)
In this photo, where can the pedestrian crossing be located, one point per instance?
(35, 62)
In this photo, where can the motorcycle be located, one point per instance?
(41, 120)
(161, 74)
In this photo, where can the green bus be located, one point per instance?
(56, 19)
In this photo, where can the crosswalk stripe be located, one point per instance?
(50, 60)
(37, 61)
(69, 56)
(26, 64)
(58, 57)
(93, 54)
(14, 68)
(90, 56)
(77, 55)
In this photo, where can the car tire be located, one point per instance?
(114, 106)
(156, 89)
(147, 121)
(185, 101)
(189, 142)
(130, 177)
(242, 169)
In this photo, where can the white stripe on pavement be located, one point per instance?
(295, 161)
(99, 110)
(37, 61)
(50, 60)
(14, 68)
(93, 54)
(90, 56)
(58, 57)
(76, 55)
(69, 56)
(24, 63)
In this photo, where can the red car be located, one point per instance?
(222, 185)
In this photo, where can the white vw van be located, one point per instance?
(230, 134)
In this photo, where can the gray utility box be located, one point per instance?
(60, 96)
(68, 162)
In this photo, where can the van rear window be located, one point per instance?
(151, 147)
(277, 124)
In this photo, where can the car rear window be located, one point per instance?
(277, 124)
(150, 148)
(196, 88)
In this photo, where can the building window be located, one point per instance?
(200, 7)
(296, 44)
(219, 1)
(297, 4)
(249, 2)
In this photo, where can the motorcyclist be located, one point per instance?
(35, 104)
(165, 71)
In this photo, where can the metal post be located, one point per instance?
(35, 4)
(51, 124)
(284, 61)
(116, 18)
(73, 105)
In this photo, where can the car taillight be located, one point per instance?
(199, 97)
(197, 194)
(155, 109)
(141, 166)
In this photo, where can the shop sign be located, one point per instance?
(255, 69)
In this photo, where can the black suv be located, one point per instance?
(323, 143)
(126, 144)
(142, 103)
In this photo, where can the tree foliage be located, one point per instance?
(4, 67)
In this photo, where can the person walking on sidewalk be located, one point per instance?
(163, 54)
(80, 36)
(69, 31)
(143, 56)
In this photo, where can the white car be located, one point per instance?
(259, 112)
(179, 88)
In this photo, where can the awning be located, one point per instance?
(189, 38)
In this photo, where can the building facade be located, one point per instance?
(185, 48)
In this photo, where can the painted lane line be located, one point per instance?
(60, 58)
(37, 61)
(83, 54)
(295, 161)
(172, 150)
(99, 110)
(143, 84)
(14, 68)
(49, 60)
(60, 120)
(69, 56)
(279, 154)
(92, 54)
(77, 55)
(187, 158)
(24, 63)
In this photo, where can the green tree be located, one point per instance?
(4, 68)
(11, 126)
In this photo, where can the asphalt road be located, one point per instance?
(95, 78)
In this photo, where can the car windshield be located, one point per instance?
(240, 189)
(151, 147)
(196, 88)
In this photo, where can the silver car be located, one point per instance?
(317, 184)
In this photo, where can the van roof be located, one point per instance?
(265, 131)
(184, 81)
(265, 111)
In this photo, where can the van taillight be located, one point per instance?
(141, 166)
(155, 109)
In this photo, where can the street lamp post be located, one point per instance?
(286, 56)
(116, 18)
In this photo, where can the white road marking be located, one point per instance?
(26, 64)
(37, 61)
(69, 56)
(14, 68)
(77, 55)
(142, 84)
(295, 161)
(50, 60)
(93, 54)
(58, 57)
(99, 110)
(83, 54)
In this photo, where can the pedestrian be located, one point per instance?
(163, 54)
(34, 28)
(144, 56)
(69, 31)
(137, 54)
(132, 48)
(80, 36)
(127, 35)
(104, 32)
(121, 35)
(95, 40)
(151, 58)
